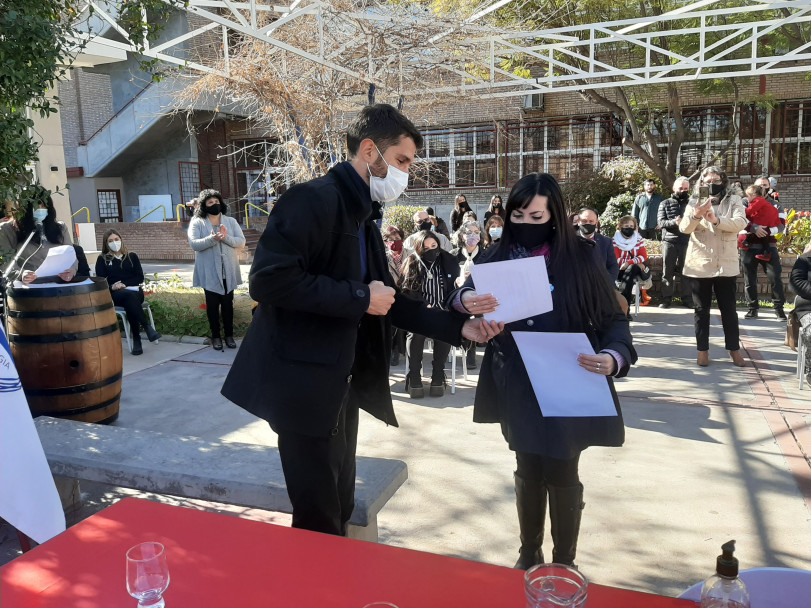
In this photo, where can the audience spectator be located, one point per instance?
(422, 221)
(393, 238)
(762, 213)
(123, 272)
(631, 254)
(768, 249)
(438, 222)
(548, 449)
(468, 252)
(588, 227)
(215, 238)
(493, 230)
(460, 207)
(800, 281)
(496, 208)
(646, 209)
(38, 210)
(428, 275)
(711, 260)
(674, 244)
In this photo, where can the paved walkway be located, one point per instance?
(711, 454)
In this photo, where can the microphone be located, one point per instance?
(38, 228)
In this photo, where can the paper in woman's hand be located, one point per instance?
(562, 387)
(58, 260)
(520, 286)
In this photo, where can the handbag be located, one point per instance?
(792, 331)
(646, 279)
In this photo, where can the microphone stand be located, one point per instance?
(10, 273)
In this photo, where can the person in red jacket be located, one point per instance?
(762, 213)
(629, 247)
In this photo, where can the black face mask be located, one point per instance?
(627, 232)
(531, 236)
(213, 209)
(716, 189)
(587, 229)
(682, 196)
(426, 225)
(429, 256)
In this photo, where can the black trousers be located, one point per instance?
(320, 474)
(551, 471)
(649, 233)
(673, 255)
(416, 344)
(131, 302)
(215, 302)
(724, 288)
(627, 278)
(773, 271)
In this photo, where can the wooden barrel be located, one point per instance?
(67, 349)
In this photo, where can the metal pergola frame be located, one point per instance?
(574, 58)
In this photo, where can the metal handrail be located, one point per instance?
(80, 210)
(247, 222)
(162, 208)
(178, 207)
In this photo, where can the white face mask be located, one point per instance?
(114, 245)
(387, 189)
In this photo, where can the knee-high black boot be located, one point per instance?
(565, 509)
(530, 498)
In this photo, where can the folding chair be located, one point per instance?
(802, 342)
(119, 310)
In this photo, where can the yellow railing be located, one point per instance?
(247, 224)
(162, 208)
(178, 209)
(80, 210)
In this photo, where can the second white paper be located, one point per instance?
(520, 286)
(562, 387)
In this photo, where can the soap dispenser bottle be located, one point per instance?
(724, 589)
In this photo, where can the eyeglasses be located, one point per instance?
(713, 181)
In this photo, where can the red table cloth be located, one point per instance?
(219, 560)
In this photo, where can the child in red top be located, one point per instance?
(629, 247)
(760, 212)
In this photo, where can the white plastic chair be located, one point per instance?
(769, 587)
(119, 310)
(636, 293)
(802, 342)
(458, 351)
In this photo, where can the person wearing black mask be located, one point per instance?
(422, 221)
(459, 209)
(496, 208)
(674, 244)
(548, 448)
(429, 275)
(603, 246)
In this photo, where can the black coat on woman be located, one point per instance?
(504, 393)
(310, 339)
(800, 279)
(127, 270)
(448, 268)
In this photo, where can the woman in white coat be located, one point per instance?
(216, 239)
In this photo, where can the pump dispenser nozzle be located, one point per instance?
(727, 564)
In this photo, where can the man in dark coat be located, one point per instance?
(319, 344)
(604, 246)
(674, 244)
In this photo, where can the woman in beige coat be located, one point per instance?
(712, 259)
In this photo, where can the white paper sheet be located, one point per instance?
(520, 286)
(132, 288)
(21, 285)
(58, 260)
(562, 387)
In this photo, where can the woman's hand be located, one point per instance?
(221, 234)
(601, 363)
(701, 210)
(479, 305)
(29, 277)
(641, 266)
(711, 217)
(118, 285)
(67, 275)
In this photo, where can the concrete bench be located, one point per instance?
(233, 473)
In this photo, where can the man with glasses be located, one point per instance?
(772, 267)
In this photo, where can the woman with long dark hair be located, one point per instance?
(428, 275)
(548, 449)
(460, 207)
(496, 208)
(38, 210)
(124, 274)
(216, 238)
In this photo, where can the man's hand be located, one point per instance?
(477, 304)
(761, 232)
(380, 299)
(479, 330)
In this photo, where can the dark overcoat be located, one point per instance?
(505, 395)
(310, 343)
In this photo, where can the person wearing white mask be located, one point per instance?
(469, 251)
(319, 344)
(124, 274)
(39, 218)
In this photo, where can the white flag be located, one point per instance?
(28, 497)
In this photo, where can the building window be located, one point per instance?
(790, 150)
(259, 178)
(457, 158)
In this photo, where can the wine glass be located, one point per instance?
(147, 574)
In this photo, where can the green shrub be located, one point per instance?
(631, 173)
(797, 234)
(401, 216)
(593, 191)
(617, 207)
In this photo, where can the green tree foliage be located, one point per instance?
(401, 216)
(37, 47)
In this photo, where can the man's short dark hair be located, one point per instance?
(584, 209)
(384, 125)
(429, 210)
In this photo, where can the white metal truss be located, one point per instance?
(590, 56)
